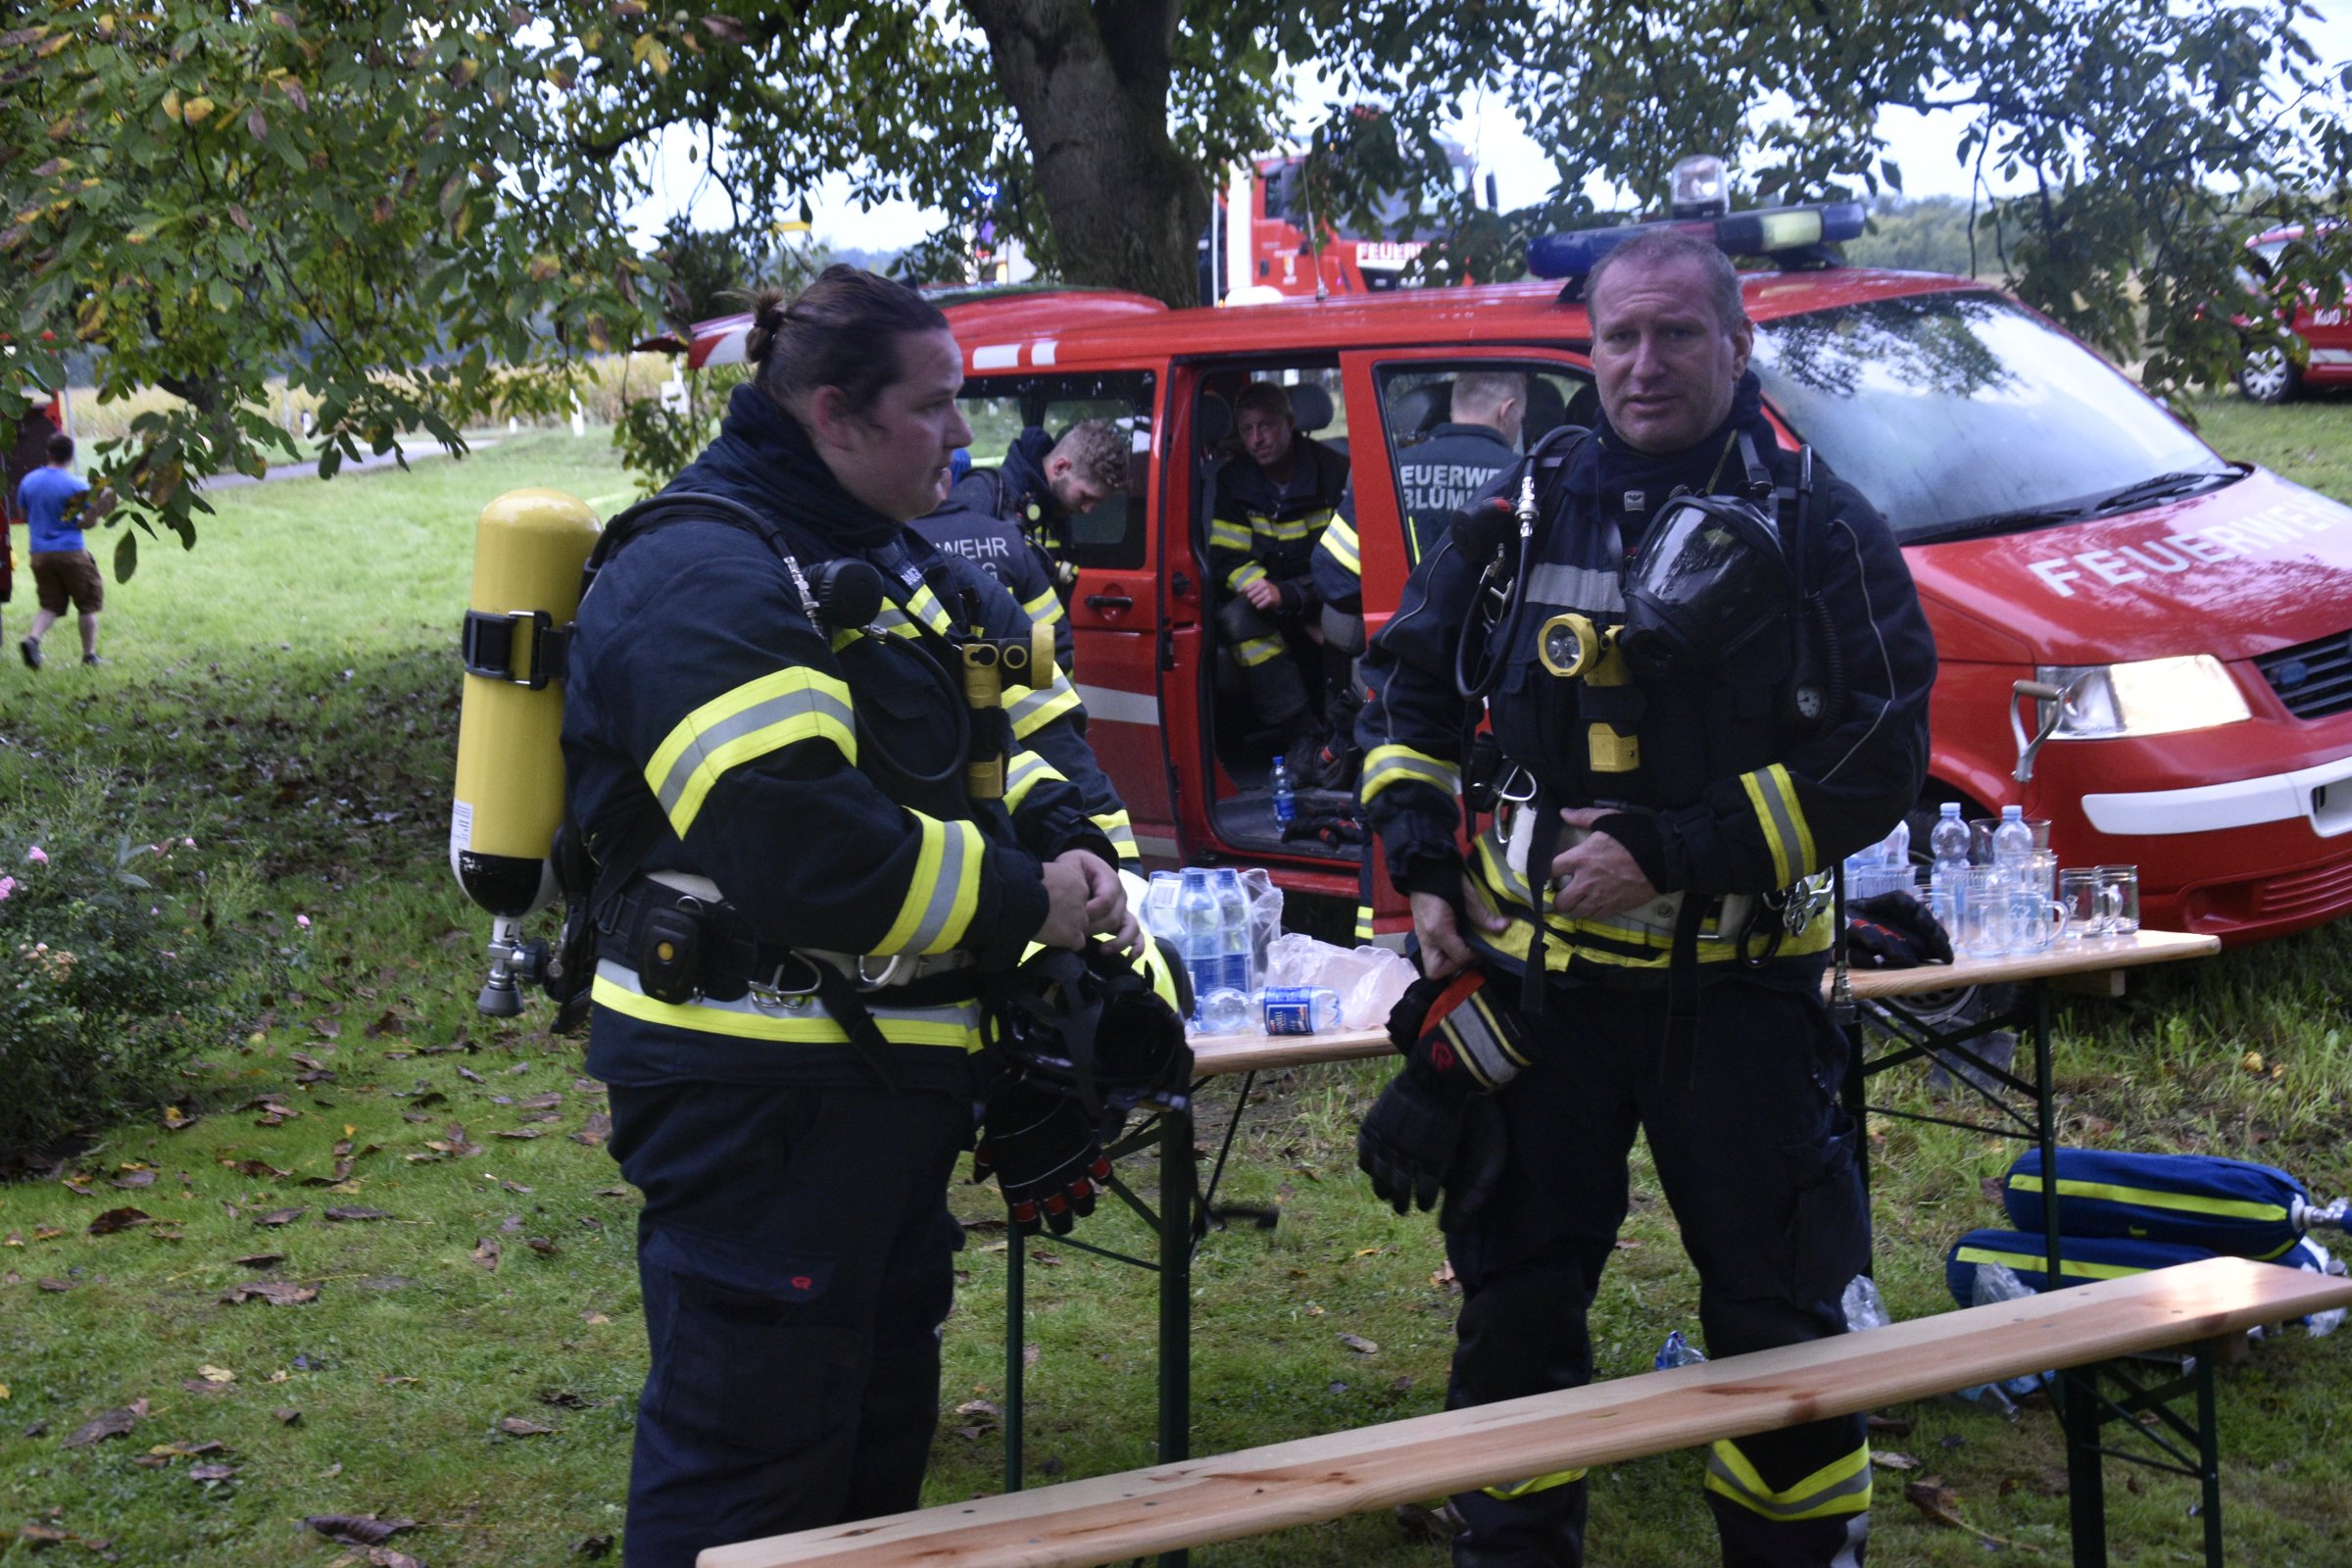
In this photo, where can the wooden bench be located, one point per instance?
(1138, 1512)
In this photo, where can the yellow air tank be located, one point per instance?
(528, 549)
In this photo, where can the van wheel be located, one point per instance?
(2269, 374)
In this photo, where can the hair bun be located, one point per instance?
(769, 310)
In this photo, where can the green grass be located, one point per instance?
(288, 695)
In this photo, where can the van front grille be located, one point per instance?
(2313, 680)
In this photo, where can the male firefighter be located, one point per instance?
(1274, 499)
(1708, 678)
(1044, 483)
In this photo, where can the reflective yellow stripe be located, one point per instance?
(1242, 575)
(1257, 650)
(788, 1020)
(1045, 608)
(1501, 891)
(1773, 796)
(1122, 833)
(1338, 542)
(926, 605)
(1027, 772)
(1533, 1485)
(1384, 765)
(943, 894)
(1842, 1486)
(759, 717)
(2039, 1263)
(1036, 711)
(1363, 923)
(2153, 1197)
(1224, 534)
(1285, 529)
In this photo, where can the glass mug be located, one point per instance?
(2092, 903)
(1985, 926)
(2124, 882)
(2036, 922)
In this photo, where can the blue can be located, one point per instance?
(1301, 1010)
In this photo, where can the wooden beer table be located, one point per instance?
(1186, 1211)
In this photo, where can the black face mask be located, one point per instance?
(1711, 579)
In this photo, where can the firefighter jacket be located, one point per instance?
(1730, 790)
(1264, 531)
(998, 548)
(1017, 491)
(786, 758)
(1437, 476)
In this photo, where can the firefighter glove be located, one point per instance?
(1432, 1130)
(1895, 931)
(1041, 1148)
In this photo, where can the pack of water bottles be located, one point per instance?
(1220, 920)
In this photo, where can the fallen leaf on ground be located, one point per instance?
(215, 1374)
(287, 1418)
(280, 1217)
(356, 1528)
(211, 1391)
(542, 1246)
(1359, 1345)
(547, 1101)
(593, 1318)
(593, 1546)
(563, 1399)
(211, 1472)
(623, 1191)
(1894, 1425)
(46, 1233)
(278, 1292)
(386, 1557)
(136, 1178)
(485, 1253)
(120, 1219)
(55, 1287)
(517, 1132)
(981, 1408)
(1889, 1459)
(259, 1259)
(106, 1424)
(598, 1128)
(357, 1214)
(1938, 1501)
(515, 1426)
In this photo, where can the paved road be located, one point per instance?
(413, 451)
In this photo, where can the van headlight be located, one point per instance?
(2147, 696)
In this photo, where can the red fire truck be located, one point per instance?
(2062, 527)
(1265, 240)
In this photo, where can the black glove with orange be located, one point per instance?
(1894, 931)
(1041, 1148)
(1435, 1130)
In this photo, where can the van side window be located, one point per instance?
(1454, 427)
(1032, 413)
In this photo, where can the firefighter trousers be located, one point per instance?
(1755, 1155)
(797, 1260)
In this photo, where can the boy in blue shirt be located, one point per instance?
(56, 502)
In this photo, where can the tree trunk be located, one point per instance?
(1089, 85)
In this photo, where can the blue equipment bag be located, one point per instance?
(2080, 1259)
(2228, 1206)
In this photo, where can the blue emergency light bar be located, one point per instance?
(1762, 232)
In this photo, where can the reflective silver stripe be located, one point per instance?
(1395, 764)
(775, 710)
(1577, 587)
(934, 923)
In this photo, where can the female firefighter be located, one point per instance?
(813, 850)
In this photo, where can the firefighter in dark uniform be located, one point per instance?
(1274, 502)
(798, 899)
(1667, 810)
(1043, 483)
(997, 548)
(1437, 476)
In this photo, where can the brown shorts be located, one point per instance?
(60, 575)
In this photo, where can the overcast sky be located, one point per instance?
(1923, 146)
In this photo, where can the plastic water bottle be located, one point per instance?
(1226, 1011)
(1947, 845)
(1299, 1010)
(1678, 1351)
(2012, 846)
(1233, 932)
(1894, 850)
(1198, 939)
(1285, 801)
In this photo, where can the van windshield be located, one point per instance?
(1961, 413)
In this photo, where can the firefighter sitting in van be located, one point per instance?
(1274, 501)
(1040, 486)
(1437, 476)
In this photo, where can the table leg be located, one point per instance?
(2086, 1477)
(1176, 1176)
(1017, 1290)
(2045, 1125)
(2208, 1453)
(1857, 1095)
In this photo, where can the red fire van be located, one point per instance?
(2062, 527)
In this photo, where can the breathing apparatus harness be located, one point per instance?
(1713, 573)
(683, 946)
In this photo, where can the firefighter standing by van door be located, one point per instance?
(1683, 736)
(1041, 484)
(1273, 503)
(798, 901)
(1437, 476)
